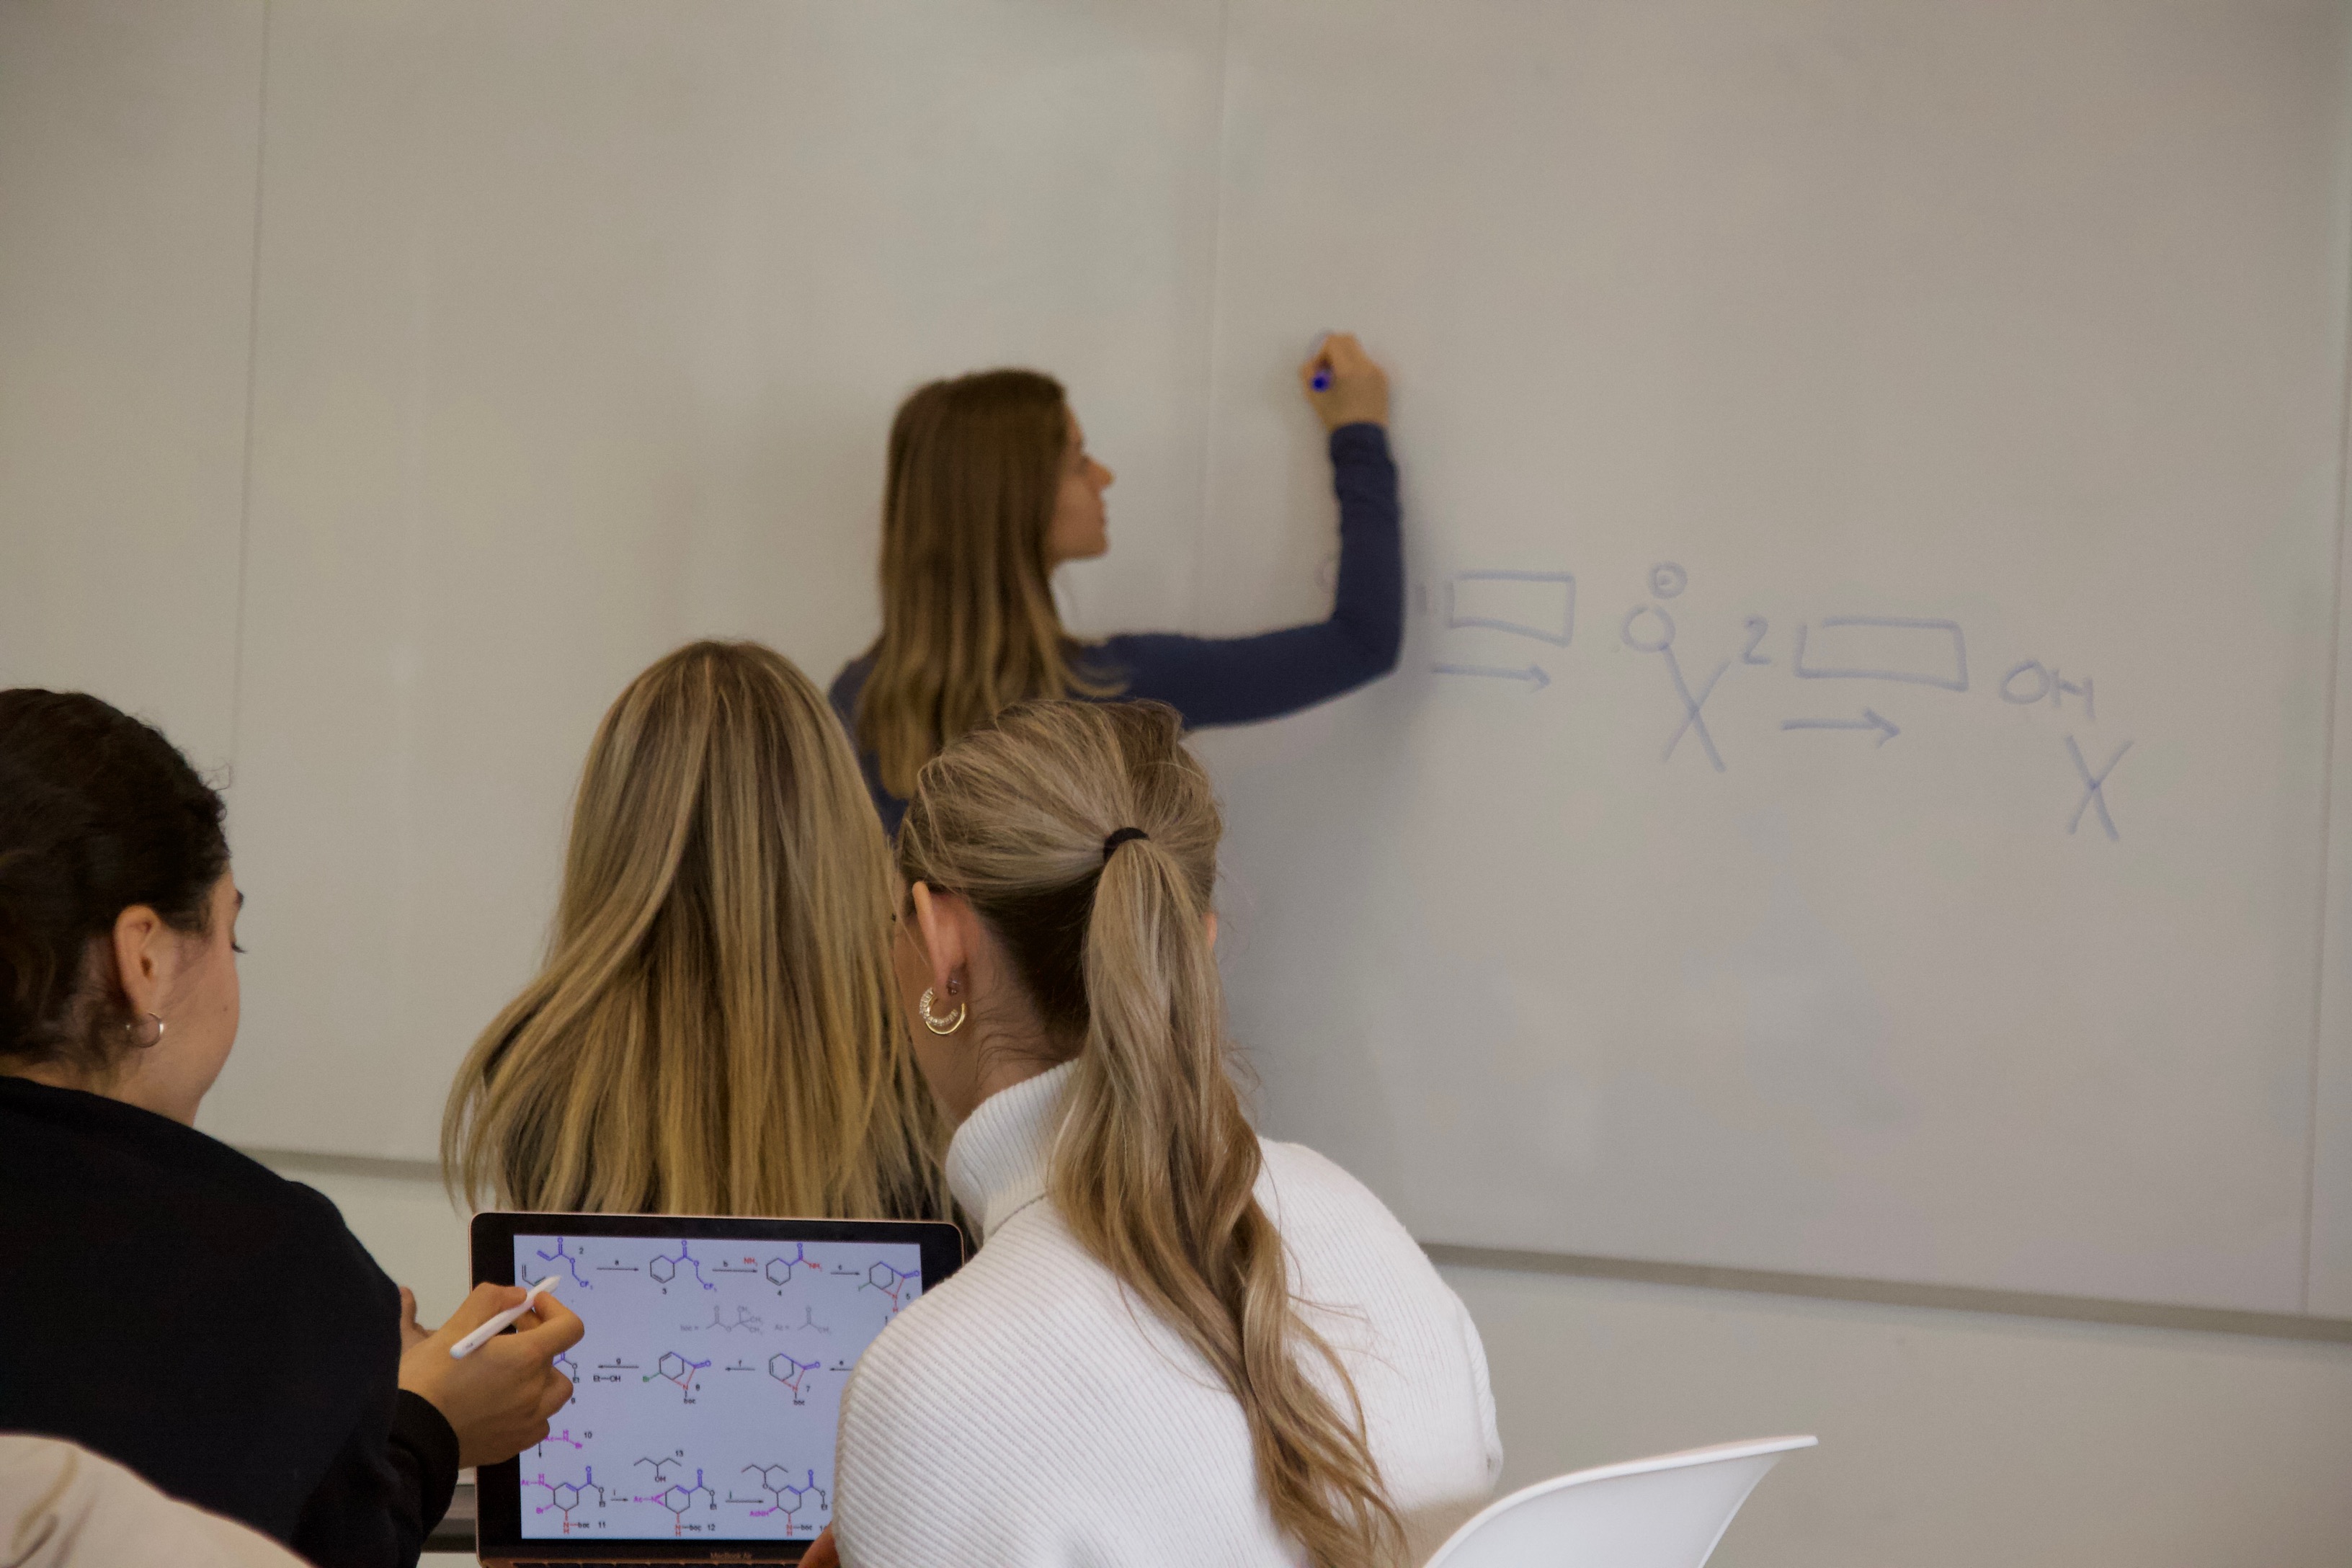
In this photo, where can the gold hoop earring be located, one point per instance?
(139, 1038)
(948, 1025)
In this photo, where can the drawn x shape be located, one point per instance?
(1691, 706)
(2095, 786)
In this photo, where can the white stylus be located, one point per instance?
(498, 1324)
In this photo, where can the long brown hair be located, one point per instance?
(1155, 1163)
(967, 616)
(714, 1030)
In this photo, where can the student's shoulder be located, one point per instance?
(1303, 1188)
(91, 1141)
(1018, 1307)
(67, 1157)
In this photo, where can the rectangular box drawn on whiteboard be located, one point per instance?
(1884, 648)
(1540, 604)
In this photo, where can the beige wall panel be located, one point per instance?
(129, 145)
(580, 329)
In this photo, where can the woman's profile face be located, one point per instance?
(1081, 529)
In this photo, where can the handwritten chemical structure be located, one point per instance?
(1882, 657)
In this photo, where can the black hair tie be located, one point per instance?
(1122, 837)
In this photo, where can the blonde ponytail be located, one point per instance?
(1156, 1163)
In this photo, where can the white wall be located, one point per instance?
(130, 143)
(1948, 1439)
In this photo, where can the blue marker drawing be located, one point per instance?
(1692, 706)
(1625, 632)
(1533, 674)
(1869, 720)
(1666, 580)
(2058, 697)
(2046, 683)
(2095, 790)
(1757, 627)
(1540, 604)
(1932, 655)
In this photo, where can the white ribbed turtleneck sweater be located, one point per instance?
(1026, 1414)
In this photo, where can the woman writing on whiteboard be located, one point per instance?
(990, 487)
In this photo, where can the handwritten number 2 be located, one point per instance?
(1757, 627)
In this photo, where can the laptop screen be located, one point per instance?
(708, 1386)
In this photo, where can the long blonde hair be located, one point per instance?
(715, 1029)
(967, 616)
(1155, 1163)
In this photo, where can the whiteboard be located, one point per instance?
(1857, 799)
(1875, 425)
(579, 333)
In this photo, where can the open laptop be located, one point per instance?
(707, 1387)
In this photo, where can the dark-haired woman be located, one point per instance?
(991, 487)
(165, 1300)
(1178, 1342)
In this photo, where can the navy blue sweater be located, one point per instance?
(1239, 680)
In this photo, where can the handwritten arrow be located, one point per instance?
(1533, 675)
(1869, 720)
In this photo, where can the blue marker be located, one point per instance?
(1322, 379)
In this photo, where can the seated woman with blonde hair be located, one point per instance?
(1179, 1342)
(714, 1030)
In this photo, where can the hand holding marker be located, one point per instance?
(1343, 384)
(498, 1324)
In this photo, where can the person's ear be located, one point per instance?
(943, 939)
(144, 959)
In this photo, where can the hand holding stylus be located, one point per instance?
(497, 1400)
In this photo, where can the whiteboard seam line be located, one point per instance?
(252, 386)
(2319, 1019)
(1900, 1293)
(1216, 309)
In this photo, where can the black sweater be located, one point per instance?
(1239, 681)
(175, 1306)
